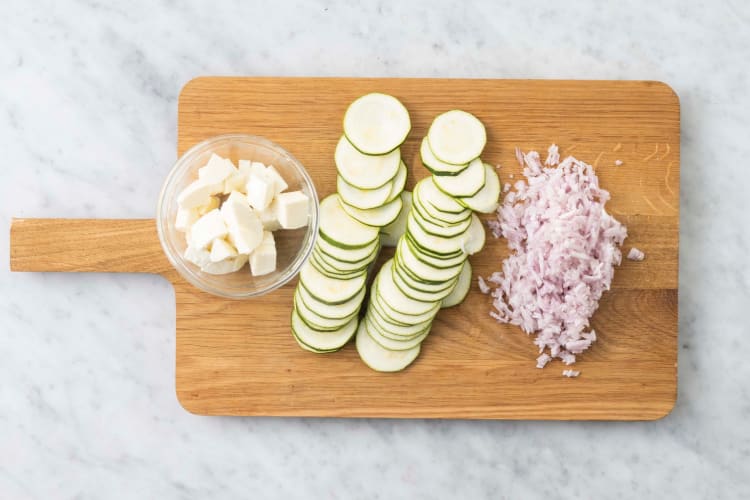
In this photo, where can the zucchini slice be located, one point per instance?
(393, 344)
(356, 255)
(376, 123)
(330, 290)
(461, 289)
(322, 341)
(435, 244)
(424, 271)
(390, 294)
(363, 198)
(428, 192)
(339, 229)
(436, 166)
(398, 182)
(380, 359)
(365, 171)
(467, 183)
(375, 217)
(487, 199)
(457, 137)
(474, 236)
(390, 234)
(315, 320)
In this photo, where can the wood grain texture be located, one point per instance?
(239, 358)
(86, 245)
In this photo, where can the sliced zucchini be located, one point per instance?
(363, 198)
(339, 229)
(365, 171)
(398, 182)
(376, 124)
(331, 311)
(395, 330)
(435, 244)
(434, 165)
(330, 290)
(331, 272)
(405, 286)
(413, 281)
(348, 255)
(375, 217)
(441, 261)
(422, 270)
(397, 316)
(487, 199)
(474, 236)
(461, 289)
(380, 359)
(457, 137)
(390, 234)
(322, 341)
(430, 252)
(341, 266)
(428, 192)
(315, 320)
(467, 183)
(440, 228)
(391, 295)
(393, 344)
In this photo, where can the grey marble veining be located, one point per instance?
(88, 95)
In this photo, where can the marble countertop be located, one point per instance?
(88, 94)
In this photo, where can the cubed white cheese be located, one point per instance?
(195, 194)
(185, 218)
(221, 250)
(208, 228)
(235, 182)
(280, 184)
(198, 256)
(257, 168)
(244, 226)
(236, 196)
(260, 191)
(244, 166)
(216, 170)
(263, 258)
(269, 217)
(225, 266)
(211, 203)
(293, 208)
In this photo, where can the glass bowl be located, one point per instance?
(293, 246)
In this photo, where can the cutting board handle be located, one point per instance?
(86, 245)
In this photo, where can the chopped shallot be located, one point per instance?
(571, 373)
(553, 156)
(564, 246)
(483, 286)
(618, 163)
(635, 254)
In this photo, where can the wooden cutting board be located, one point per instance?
(239, 358)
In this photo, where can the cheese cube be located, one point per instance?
(263, 258)
(244, 226)
(244, 166)
(269, 217)
(235, 182)
(195, 194)
(225, 266)
(198, 256)
(292, 209)
(216, 170)
(236, 196)
(185, 218)
(211, 203)
(260, 191)
(221, 250)
(207, 229)
(279, 182)
(257, 168)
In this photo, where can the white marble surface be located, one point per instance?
(87, 119)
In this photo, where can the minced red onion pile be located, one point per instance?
(564, 248)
